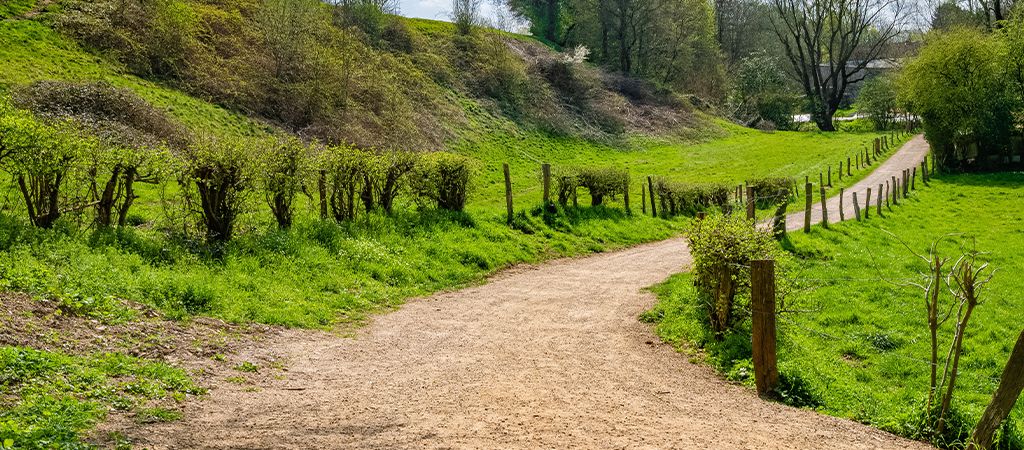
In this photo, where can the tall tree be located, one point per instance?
(830, 44)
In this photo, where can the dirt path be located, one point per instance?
(548, 356)
(908, 156)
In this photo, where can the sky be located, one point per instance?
(438, 9)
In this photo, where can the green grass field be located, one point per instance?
(863, 358)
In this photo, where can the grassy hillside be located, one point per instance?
(859, 352)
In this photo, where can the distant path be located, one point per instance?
(540, 357)
(908, 156)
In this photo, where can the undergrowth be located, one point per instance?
(859, 351)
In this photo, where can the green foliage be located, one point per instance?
(722, 247)
(55, 398)
(217, 176)
(767, 188)
(688, 198)
(959, 86)
(602, 182)
(877, 98)
(444, 178)
(761, 91)
(11, 8)
(281, 169)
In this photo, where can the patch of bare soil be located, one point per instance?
(546, 356)
(208, 348)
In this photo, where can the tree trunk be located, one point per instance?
(129, 196)
(1006, 395)
(105, 205)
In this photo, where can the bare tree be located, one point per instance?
(830, 44)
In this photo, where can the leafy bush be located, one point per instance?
(445, 178)
(385, 178)
(722, 248)
(566, 181)
(679, 198)
(221, 173)
(134, 135)
(280, 171)
(603, 182)
(766, 188)
(877, 99)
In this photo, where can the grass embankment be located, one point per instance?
(864, 358)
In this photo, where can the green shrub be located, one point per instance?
(566, 180)
(281, 168)
(217, 176)
(766, 188)
(444, 178)
(679, 198)
(603, 182)
(722, 247)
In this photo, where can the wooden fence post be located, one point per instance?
(643, 198)
(546, 170)
(895, 192)
(779, 225)
(830, 175)
(856, 207)
(653, 209)
(821, 179)
(824, 210)
(842, 215)
(750, 203)
(807, 212)
(887, 195)
(867, 204)
(879, 205)
(625, 198)
(508, 193)
(906, 183)
(840, 170)
(701, 215)
(762, 299)
(848, 167)
(1010, 386)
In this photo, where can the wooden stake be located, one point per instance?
(879, 205)
(650, 184)
(762, 299)
(842, 214)
(508, 193)
(848, 167)
(867, 204)
(546, 170)
(625, 198)
(750, 203)
(779, 226)
(643, 199)
(807, 212)
(856, 207)
(830, 175)
(824, 210)
(840, 170)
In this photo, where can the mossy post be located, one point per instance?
(546, 171)
(807, 211)
(650, 185)
(824, 209)
(508, 192)
(762, 299)
(750, 202)
(867, 204)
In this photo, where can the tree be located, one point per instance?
(958, 86)
(878, 99)
(830, 44)
(1010, 385)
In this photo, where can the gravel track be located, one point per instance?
(541, 356)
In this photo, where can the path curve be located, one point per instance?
(541, 356)
(908, 156)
